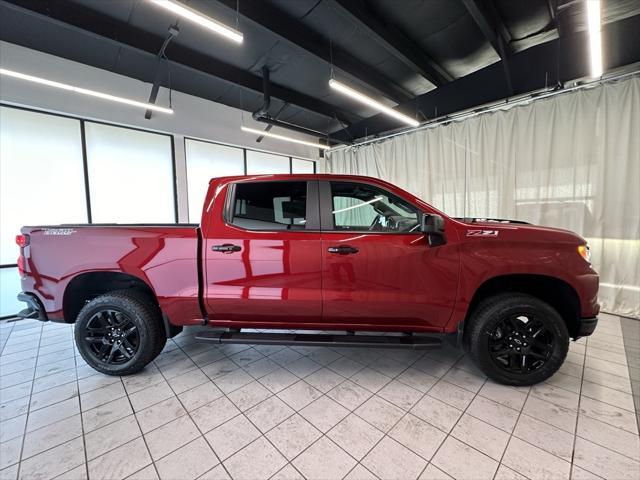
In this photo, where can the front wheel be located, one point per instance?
(517, 339)
(119, 333)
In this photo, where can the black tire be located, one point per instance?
(508, 322)
(120, 332)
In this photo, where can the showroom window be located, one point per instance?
(130, 175)
(263, 163)
(41, 182)
(205, 161)
(270, 205)
(302, 166)
(358, 207)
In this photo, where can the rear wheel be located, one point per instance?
(120, 332)
(517, 339)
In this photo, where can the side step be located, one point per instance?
(322, 340)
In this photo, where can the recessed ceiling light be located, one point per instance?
(362, 98)
(595, 37)
(202, 20)
(84, 91)
(285, 138)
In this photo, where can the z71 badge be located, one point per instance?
(482, 233)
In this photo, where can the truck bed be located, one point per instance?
(163, 256)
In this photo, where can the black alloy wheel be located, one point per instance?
(517, 339)
(520, 344)
(120, 332)
(112, 337)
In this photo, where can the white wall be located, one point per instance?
(192, 117)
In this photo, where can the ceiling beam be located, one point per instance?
(74, 16)
(486, 16)
(488, 19)
(394, 41)
(533, 69)
(295, 32)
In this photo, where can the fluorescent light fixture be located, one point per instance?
(350, 92)
(595, 37)
(84, 91)
(285, 138)
(202, 20)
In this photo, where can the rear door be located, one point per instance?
(378, 270)
(262, 254)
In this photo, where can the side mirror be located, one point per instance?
(432, 225)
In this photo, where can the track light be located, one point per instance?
(595, 37)
(285, 138)
(84, 91)
(350, 92)
(202, 20)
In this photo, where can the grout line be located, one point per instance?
(408, 412)
(26, 422)
(511, 435)
(139, 429)
(84, 441)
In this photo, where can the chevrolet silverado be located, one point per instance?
(351, 255)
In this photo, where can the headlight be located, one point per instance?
(585, 252)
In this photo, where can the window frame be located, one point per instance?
(312, 211)
(326, 209)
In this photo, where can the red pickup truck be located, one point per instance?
(351, 255)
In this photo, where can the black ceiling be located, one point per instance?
(427, 57)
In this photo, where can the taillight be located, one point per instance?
(22, 240)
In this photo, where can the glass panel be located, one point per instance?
(262, 163)
(9, 288)
(301, 166)
(41, 174)
(271, 205)
(130, 175)
(204, 162)
(363, 207)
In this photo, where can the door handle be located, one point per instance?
(343, 250)
(227, 247)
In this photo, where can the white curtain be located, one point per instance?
(569, 161)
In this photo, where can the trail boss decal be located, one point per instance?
(482, 233)
(58, 231)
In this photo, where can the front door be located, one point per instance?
(263, 255)
(378, 270)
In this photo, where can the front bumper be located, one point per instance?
(586, 326)
(34, 308)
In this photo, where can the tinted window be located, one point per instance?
(358, 206)
(270, 205)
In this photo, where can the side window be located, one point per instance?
(358, 207)
(270, 205)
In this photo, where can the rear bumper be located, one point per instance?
(586, 326)
(34, 308)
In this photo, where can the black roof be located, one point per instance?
(427, 57)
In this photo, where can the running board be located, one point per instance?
(412, 342)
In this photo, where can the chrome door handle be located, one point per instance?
(343, 250)
(227, 247)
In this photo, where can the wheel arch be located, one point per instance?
(552, 290)
(89, 285)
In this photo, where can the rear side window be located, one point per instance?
(270, 206)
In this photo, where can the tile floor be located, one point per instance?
(219, 412)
